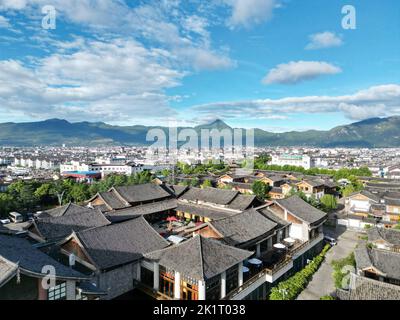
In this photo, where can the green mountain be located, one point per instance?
(376, 132)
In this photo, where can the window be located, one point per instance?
(213, 288)
(59, 292)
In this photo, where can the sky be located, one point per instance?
(279, 65)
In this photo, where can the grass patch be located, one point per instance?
(338, 272)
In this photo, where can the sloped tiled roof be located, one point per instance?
(120, 243)
(142, 192)
(369, 289)
(200, 258)
(392, 236)
(31, 260)
(59, 227)
(242, 202)
(112, 200)
(301, 209)
(386, 262)
(68, 209)
(204, 211)
(244, 227)
(144, 209)
(7, 270)
(211, 195)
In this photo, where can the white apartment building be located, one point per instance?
(104, 169)
(36, 163)
(304, 161)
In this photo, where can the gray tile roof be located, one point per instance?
(392, 236)
(59, 227)
(211, 195)
(273, 217)
(68, 209)
(302, 210)
(242, 202)
(175, 190)
(120, 243)
(142, 192)
(244, 227)
(386, 262)
(112, 200)
(31, 260)
(200, 258)
(203, 211)
(144, 209)
(369, 289)
(8, 270)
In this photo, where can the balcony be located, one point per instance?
(266, 274)
(151, 292)
(274, 266)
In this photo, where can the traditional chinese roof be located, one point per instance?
(210, 195)
(141, 210)
(142, 192)
(302, 210)
(200, 258)
(391, 236)
(120, 243)
(8, 270)
(244, 227)
(58, 227)
(30, 260)
(368, 289)
(243, 202)
(68, 209)
(385, 262)
(204, 211)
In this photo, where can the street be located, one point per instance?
(322, 282)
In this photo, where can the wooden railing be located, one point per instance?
(151, 292)
(256, 277)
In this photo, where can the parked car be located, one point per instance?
(330, 240)
(16, 217)
(5, 221)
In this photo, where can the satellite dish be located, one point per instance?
(72, 260)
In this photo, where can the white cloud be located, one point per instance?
(250, 12)
(382, 100)
(176, 31)
(324, 40)
(4, 22)
(298, 71)
(13, 4)
(109, 81)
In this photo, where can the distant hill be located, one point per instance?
(376, 132)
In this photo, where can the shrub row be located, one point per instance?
(292, 287)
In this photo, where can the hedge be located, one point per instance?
(292, 287)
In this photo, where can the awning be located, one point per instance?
(88, 288)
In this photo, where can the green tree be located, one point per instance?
(329, 202)
(206, 184)
(260, 189)
(7, 204)
(45, 193)
(79, 192)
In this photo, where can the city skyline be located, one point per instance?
(274, 65)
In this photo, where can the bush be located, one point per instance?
(292, 287)
(328, 297)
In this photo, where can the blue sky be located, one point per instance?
(279, 65)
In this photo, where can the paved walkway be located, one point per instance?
(322, 282)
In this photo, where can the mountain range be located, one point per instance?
(375, 132)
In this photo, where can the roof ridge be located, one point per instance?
(201, 256)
